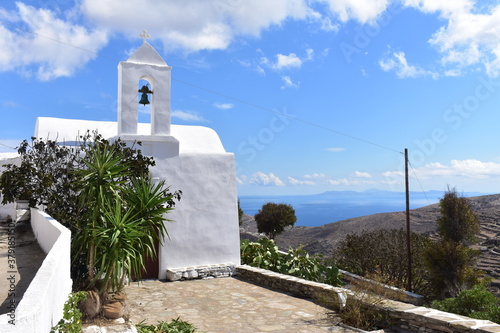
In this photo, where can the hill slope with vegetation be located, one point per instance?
(324, 239)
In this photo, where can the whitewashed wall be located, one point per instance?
(192, 159)
(42, 304)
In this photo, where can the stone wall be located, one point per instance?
(201, 272)
(391, 292)
(403, 315)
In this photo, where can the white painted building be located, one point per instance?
(191, 159)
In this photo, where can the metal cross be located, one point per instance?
(144, 35)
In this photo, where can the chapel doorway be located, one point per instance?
(152, 269)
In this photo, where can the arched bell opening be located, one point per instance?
(145, 99)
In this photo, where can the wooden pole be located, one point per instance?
(408, 231)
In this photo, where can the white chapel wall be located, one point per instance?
(206, 230)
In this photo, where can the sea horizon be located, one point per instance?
(328, 207)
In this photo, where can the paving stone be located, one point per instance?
(227, 305)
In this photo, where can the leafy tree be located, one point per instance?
(44, 178)
(272, 218)
(386, 257)
(450, 261)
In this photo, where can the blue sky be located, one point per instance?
(310, 96)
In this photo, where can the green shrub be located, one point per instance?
(296, 262)
(386, 258)
(71, 321)
(175, 326)
(475, 303)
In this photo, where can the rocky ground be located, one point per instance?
(325, 238)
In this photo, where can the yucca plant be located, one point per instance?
(130, 226)
(118, 243)
(101, 181)
(123, 214)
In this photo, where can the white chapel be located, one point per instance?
(204, 237)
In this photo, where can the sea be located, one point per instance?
(332, 206)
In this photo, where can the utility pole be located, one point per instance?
(408, 231)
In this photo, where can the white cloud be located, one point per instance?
(241, 179)
(360, 174)
(327, 25)
(293, 181)
(45, 45)
(315, 175)
(363, 11)
(9, 104)
(349, 182)
(392, 174)
(224, 106)
(469, 168)
(193, 25)
(470, 36)
(335, 149)
(260, 178)
(187, 115)
(287, 61)
(396, 61)
(282, 62)
(288, 83)
(446, 7)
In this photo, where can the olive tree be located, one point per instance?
(273, 218)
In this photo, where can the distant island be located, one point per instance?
(318, 209)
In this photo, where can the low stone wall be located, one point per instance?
(201, 272)
(403, 315)
(390, 291)
(42, 304)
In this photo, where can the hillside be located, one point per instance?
(324, 239)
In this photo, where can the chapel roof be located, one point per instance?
(146, 54)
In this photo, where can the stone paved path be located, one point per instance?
(227, 305)
(27, 256)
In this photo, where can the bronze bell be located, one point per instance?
(144, 98)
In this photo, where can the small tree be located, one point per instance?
(457, 223)
(272, 218)
(451, 262)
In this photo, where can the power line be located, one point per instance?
(225, 96)
(287, 116)
(418, 181)
(3, 144)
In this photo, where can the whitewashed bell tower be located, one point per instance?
(144, 64)
(204, 239)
